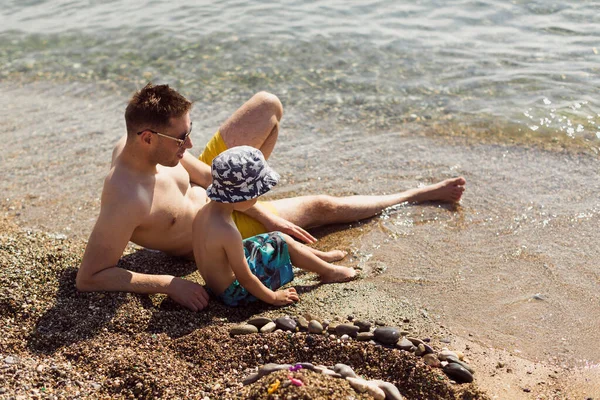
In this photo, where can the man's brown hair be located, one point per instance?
(153, 106)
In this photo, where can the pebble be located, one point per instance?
(432, 360)
(380, 323)
(358, 384)
(454, 360)
(345, 337)
(315, 326)
(325, 323)
(404, 344)
(244, 329)
(445, 340)
(95, 385)
(387, 335)
(286, 323)
(374, 390)
(11, 360)
(259, 322)
(390, 390)
(416, 341)
(458, 373)
(331, 327)
(347, 329)
(420, 350)
(444, 354)
(326, 371)
(344, 370)
(268, 327)
(365, 336)
(303, 323)
(363, 326)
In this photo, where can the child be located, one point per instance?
(240, 271)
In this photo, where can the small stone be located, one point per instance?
(259, 322)
(432, 360)
(303, 323)
(325, 323)
(331, 327)
(404, 344)
(350, 317)
(2, 390)
(444, 354)
(307, 365)
(445, 340)
(428, 349)
(95, 385)
(286, 323)
(326, 371)
(415, 341)
(501, 364)
(458, 373)
(455, 360)
(315, 326)
(268, 327)
(363, 326)
(380, 323)
(244, 329)
(365, 336)
(11, 360)
(390, 390)
(345, 370)
(346, 329)
(272, 367)
(358, 384)
(345, 337)
(374, 390)
(459, 354)
(40, 368)
(251, 379)
(387, 335)
(420, 350)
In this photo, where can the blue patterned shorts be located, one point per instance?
(269, 260)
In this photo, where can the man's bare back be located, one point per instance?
(155, 189)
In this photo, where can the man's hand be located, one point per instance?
(276, 223)
(188, 294)
(285, 296)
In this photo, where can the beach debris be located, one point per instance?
(295, 382)
(273, 386)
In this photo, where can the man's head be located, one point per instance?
(159, 117)
(240, 174)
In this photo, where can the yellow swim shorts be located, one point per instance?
(247, 226)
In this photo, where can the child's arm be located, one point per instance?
(235, 255)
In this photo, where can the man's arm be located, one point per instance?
(232, 244)
(274, 222)
(105, 247)
(199, 172)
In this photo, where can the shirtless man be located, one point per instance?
(155, 189)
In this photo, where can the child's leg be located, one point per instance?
(303, 257)
(329, 256)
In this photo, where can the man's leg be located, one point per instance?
(313, 211)
(256, 124)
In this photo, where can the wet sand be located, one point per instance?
(509, 275)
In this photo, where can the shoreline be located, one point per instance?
(513, 237)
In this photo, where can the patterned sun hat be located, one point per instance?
(239, 174)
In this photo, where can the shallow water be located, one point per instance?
(360, 83)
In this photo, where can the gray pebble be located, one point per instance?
(315, 326)
(432, 360)
(404, 344)
(363, 326)
(345, 370)
(347, 329)
(244, 329)
(390, 390)
(458, 373)
(455, 360)
(251, 379)
(268, 327)
(272, 367)
(259, 322)
(11, 360)
(286, 323)
(387, 335)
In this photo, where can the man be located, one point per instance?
(155, 189)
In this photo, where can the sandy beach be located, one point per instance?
(508, 277)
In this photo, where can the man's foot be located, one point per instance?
(333, 255)
(339, 274)
(448, 191)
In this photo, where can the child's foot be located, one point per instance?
(339, 274)
(333, 255)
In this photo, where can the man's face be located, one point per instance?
(169, 152)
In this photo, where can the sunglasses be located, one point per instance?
(180, 141)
